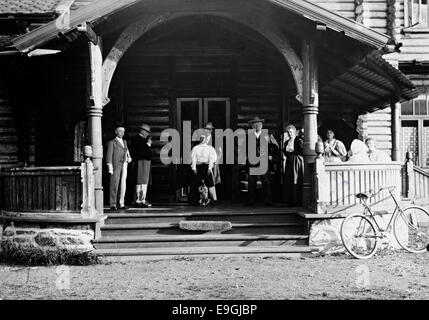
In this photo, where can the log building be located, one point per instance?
(71, 69)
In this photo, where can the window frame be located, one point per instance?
(420, 119)
(408, 12)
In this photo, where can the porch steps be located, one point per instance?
(204, 251)
(156, 231)
(173, 229)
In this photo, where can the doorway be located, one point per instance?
(200, 111)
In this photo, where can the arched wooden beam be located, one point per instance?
(257, 22)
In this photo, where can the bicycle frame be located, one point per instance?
(397, 210)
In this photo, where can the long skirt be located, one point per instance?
(143, 171)
(293, 179)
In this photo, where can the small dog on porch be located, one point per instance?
(204, 195)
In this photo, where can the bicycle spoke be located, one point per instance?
(359, 236)
(412, 229)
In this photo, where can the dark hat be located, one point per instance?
(255, 120)
(209, 126)
(145, 127)
(119, 125)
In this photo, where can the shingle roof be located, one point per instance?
(28, 6)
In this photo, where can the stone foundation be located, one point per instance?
(325, 235)
(47, 239)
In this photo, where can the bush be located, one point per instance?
(14, 255)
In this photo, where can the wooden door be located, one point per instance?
(200, 111)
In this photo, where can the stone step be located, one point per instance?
(204, 251)
(173, 229)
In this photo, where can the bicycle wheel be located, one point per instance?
(359, 236)
(411, 229)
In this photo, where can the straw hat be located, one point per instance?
(145, 127)
(255, 120)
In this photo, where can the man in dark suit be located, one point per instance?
(257, 124)
(117, 159)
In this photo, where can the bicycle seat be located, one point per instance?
(363, 195)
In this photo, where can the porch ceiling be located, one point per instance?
(371, 84)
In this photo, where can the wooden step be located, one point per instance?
(251, 216)
(205, 240)
(203, 251)
(173, 228)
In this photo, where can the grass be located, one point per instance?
(14, 255)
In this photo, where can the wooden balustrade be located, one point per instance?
(415, 181)
(336, 184)
(41, 189)
(50, 189)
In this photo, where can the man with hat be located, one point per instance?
(256, 124)
(117, 158)
(142, 153)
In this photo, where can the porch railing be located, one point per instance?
(336, 184)
(42, 189)
(415, 181)
(50, 189)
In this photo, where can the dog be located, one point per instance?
(204, 195)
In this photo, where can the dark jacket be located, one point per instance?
(140, 149)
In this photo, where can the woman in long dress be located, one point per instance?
(335, 151)
(294, 169)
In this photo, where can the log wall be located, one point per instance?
(8, 131)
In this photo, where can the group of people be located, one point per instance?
(360, 152)
(118, 157)
(205, 168)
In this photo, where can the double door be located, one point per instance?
(200, 111)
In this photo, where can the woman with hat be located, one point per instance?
(142, 153)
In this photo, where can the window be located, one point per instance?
(415, 128)
(417, 14)
(418, 106)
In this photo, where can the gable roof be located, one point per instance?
(95, 10)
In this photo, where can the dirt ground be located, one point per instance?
(389, 275)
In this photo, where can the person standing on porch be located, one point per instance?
(216, 171)
(141, 148)
(257, 124)
(294, 169)
(117, 159)
(203, 158)
(335, 150)
(374, 154)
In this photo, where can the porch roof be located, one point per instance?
(95, 10)
(370, 84)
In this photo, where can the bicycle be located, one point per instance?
(361, 233)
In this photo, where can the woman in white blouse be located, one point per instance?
(203, 158)
(335, 151)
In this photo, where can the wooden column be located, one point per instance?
(95, 112)
(396, 129)
(310, 105)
